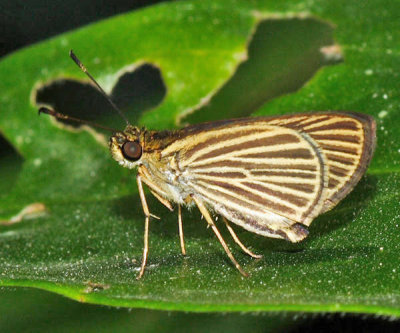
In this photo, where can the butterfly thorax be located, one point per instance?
(135, 147)
(164, 170)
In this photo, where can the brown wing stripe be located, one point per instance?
(220, 138)
(212, 194)
(256, 166)
(341, 159)
(339, 149)
(228, 175)
(284, 174)
(340, 125)
(290, 153)
(294, 199)
(252, 197)
(306, 188)
(337, 137)
(333, 183)
(308, 122)
(269, 141)
(338, 171)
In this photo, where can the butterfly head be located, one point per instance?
(127, 147)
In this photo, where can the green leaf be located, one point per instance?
(87, 243)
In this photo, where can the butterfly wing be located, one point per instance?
(269, 175)
(264, 178)
(346, 139)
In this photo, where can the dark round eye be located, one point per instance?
(131, 150)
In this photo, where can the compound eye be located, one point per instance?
(131, 150)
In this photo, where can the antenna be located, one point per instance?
(65, 117)
(83, 68)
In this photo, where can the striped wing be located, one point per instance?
(269, 174)
(262, 177)
(347, 141)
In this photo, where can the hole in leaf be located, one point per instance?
(134, 92)
(10, 166)
(282, 56)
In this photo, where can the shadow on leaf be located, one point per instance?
(135, 91)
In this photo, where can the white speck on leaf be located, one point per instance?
(37, 162)
(382, 114)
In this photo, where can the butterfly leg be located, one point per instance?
(181, 230)
(167, 204)
(155, 189)
(206, 214)
(146, 225)
(238, 242)
(158, 193)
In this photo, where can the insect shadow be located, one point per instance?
(341, 215)
(135, 92)
(347, 210)
(165, 231)
(130, 209)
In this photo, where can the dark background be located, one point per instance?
(23, 22)
(26, 22)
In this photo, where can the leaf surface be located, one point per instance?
(87, 245)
